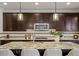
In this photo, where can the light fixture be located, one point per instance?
(36, 3)
(20, 15)
(5, 3)
(55, 15)
(37, 14)
(68, 3)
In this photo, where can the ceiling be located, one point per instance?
(42, 7)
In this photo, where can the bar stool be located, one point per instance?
(74, 52)
(53, 52)
(30, 52)
(6, 52)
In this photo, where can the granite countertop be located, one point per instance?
(39, 45)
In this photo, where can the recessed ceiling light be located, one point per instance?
(68, 3)
(36, 3)
(5, 3)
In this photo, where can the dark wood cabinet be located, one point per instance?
(71, 23)
(66, 22)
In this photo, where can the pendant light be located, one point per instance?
(55, 15)
(20, 15)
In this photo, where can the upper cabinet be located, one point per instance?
(66, 22)
(71, 23)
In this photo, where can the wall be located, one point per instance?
(1, 20)
(66, 22)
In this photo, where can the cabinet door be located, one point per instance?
(71, 23)
(74, 26)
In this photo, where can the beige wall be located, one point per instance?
(1, 20)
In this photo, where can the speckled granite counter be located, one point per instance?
(39, 45)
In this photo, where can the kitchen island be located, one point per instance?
(39, 45)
